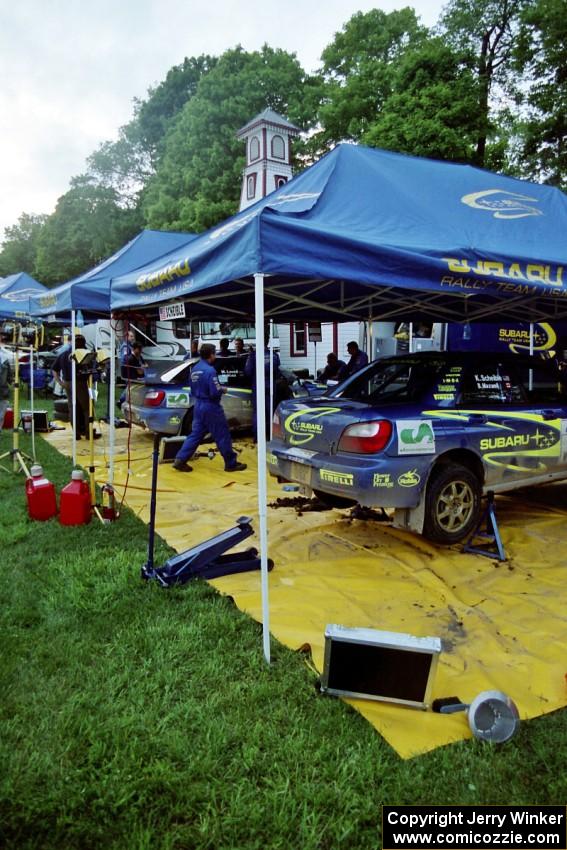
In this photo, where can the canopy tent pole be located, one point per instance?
(531, 375)
(112, 401)
(271, 346)
(73, 390)
(262, 484)
(410, 347)
(32, 403)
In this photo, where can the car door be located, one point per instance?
(499, 423)
(546, 394)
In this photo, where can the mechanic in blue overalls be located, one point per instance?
(208, 416)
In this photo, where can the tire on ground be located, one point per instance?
(452, 503)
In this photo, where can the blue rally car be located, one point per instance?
(427, 434)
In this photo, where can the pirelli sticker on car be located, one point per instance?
(177, 400)
(344, 478)
(415, 437)
(382, 479)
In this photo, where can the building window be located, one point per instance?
(254, 148)
(280, 181)
(278, 147)
(250, 187)
(298, 346)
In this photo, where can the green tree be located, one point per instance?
(431, 110)
(88, 225)
(542, 54)
(127, 164)
(19, 249)
(358, 70)
(199, 177)
(489, 30)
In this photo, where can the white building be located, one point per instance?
(268, 139)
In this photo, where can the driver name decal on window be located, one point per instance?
(415, 437)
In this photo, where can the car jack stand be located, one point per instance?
(487, 530)
(205, 560)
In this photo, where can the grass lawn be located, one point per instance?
(133, 717)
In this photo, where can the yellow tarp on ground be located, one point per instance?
(503, 625)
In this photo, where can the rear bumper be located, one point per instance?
(372, 481)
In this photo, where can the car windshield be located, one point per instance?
(392, 380)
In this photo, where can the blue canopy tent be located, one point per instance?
(15, 293)
(90, 293)
(368, 234)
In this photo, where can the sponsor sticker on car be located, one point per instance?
(409, 478)
(382, 479)
(415, 437)
(177, 400)
(346, 479)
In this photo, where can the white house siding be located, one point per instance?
(346, 331)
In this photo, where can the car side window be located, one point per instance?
(490, 383)
(543, 384)
(231, 372)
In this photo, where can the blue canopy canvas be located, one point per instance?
(90, 291)
(15, 292)
(369, 233)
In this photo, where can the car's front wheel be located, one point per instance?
(452, 504)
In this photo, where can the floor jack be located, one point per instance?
(487, 530)
(205, 560)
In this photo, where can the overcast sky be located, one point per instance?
(70, 68)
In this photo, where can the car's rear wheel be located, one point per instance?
(187, 423)
(452, 503)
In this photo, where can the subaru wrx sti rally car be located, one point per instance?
(427, 434)
(163, 402)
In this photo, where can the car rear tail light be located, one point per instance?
(154, 398)
(365, 437)
(277, 430)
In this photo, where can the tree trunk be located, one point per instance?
(484, 82)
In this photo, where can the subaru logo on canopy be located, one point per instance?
(502, 204)
(20, 295)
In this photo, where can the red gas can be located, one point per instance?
(40, 493)
(75, 501)
(8, 422)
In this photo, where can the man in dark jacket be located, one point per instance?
(208, 416)
(358, 360)
(250, 372)
(5, 381)
(332, 369)
(63, 375)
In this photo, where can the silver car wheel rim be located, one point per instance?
(455, 506)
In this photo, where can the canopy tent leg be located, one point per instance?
(112, 401)
(262, 483)
(531, 374)
(271, 346)
(73, 390)
(32, 403)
